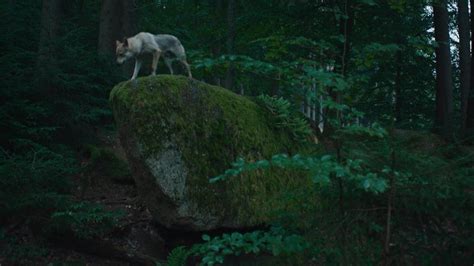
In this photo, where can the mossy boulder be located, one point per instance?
(177, 133)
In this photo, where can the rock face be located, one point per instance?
(179, 133)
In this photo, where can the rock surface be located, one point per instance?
(177, 133)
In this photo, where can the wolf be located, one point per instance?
(158, 45)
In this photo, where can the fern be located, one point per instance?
(177, 257)
(286, 117)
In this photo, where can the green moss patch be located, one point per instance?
(210, 128)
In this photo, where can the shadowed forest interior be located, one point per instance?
(325, 132)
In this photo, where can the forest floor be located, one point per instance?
(136, 240)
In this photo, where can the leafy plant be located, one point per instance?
(286, 117)
(85, 220)
(276, 242)
(177, 257)
(34, 183)
(321, 170)
(16, 251)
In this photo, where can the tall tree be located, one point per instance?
(51, 16)
(398, 87)
(216, 47)
(464, 57)
(230, 74)
(470, 101)
(444, 83)
(346, 25)
(117, 20)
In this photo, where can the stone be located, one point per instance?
(178, 133)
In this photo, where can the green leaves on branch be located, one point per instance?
(326, 79)
(85, 220)
(241, 62)
(321, 170)
(286, 117)
(177, 257)
(374, 130)
(35, 187)
(276, 242)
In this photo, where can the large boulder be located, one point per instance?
(177, 133)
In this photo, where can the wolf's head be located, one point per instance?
(122, 51)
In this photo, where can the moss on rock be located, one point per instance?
(178, 133)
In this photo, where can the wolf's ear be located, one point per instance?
(125, 41)
(117, 42)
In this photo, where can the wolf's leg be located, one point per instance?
(169, 64)
(138, 65)
(183, 61)
(154, 64)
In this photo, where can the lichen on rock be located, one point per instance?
(178, 133)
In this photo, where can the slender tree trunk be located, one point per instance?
(129, 28)
(345, 29)
(464, 58)
(129, 18)
(470, 101)
(51, 16)
(117, 21)
(444, 83)
(398, 88)
(346, 26)
(230, 75)
(109, 26)
(275, 86)
(216, 48)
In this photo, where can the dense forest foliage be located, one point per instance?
(382, 90)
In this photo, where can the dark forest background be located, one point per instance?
(390, 82)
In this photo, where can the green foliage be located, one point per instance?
(286, 117)
(375, 130)
(276, 242)
(177, 257)
(35, 187)
(107, 163)
(43, 115)
(35, 182)
(62, 106)
(242, 63)
(321, 169)
(16, 251)
(84, 220)
(428, 187)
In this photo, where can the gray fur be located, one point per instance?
(158, 45)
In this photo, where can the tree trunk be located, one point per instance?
(109, 26)
(464, 58)
(398, 88)
(230, 75)
(444, 83)
(117, 21)
(129, 28)
(470, 101)
(51, 16)
(345, 29)
(216, 48)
